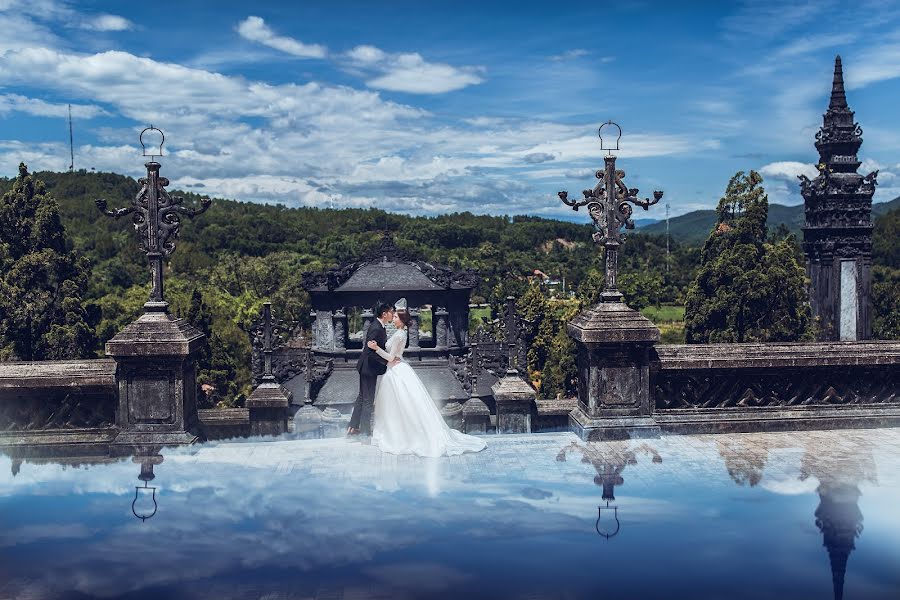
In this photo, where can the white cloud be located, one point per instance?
(410, 72)
(877, 63)
(569, 54)
(39, 108)
(255, 29)
(107, 23)
(787, 170)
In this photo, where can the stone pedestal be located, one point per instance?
(515, 403)
(476, 416)
(308, 422)
(156, 377)
(614, 343)
(268, 408)
(453, 415)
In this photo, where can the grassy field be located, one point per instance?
(670, 320)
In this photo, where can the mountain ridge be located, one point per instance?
(693, 228)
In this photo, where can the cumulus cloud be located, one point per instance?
(410, 72)
(255, 29)
(39, 108)
(107, 23)
(538, 157)
(787, 170)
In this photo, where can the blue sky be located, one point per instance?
(432, 107)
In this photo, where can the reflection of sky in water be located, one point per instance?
(333, 519)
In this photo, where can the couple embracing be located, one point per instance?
(407, 421)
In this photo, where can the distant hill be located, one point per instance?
(693, 228)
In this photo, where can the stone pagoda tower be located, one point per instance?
(837, 235)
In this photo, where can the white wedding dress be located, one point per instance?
(406, 418)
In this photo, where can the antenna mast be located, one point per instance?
(71, 143)
(667, 237)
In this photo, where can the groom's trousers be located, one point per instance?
(364, 407)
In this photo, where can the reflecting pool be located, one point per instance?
(781, 515)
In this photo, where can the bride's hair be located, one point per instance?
(404, 317)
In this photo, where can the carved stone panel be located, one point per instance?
(150, 399)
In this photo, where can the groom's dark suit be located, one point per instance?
(370, 366)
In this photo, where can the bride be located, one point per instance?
(406, 418)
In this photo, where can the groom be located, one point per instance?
(370, 366)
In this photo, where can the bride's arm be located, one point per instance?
(383, 354)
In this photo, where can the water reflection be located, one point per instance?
(609, 459)
(144, 505)
(329, 518)
(839, 470)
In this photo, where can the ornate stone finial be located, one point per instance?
(608, 206)
(838, 98)
(157, 219)
(268, 334)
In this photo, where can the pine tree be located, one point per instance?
(42, 314)
(747, 289)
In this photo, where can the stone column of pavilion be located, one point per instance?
(837, 234)
(156, 354)
(613, 340)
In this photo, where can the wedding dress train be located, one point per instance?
(406, 418)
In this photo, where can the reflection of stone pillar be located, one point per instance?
(440, 327)
(414, 329)
(839, 519)
(340, 330)
(367, 317)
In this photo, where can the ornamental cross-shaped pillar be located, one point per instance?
(608, 206)
(268, 403)
(267, 335)
(515, 328)
(157, 218)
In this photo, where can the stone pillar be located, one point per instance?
(367, 317)
(453, 415)
(515, 402)
(156, 373)
(413, 329)
(614, 343)
(476, 416)
(324, 330)
(339, 319)
(439, 323)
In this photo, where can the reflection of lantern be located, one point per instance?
(144, 496)
(615, 516)
(609, 484)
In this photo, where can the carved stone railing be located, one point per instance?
(829, 384)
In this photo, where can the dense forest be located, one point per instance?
(238, 254)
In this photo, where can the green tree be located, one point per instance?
(746, 289)
(886, 303)
(42, 283)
